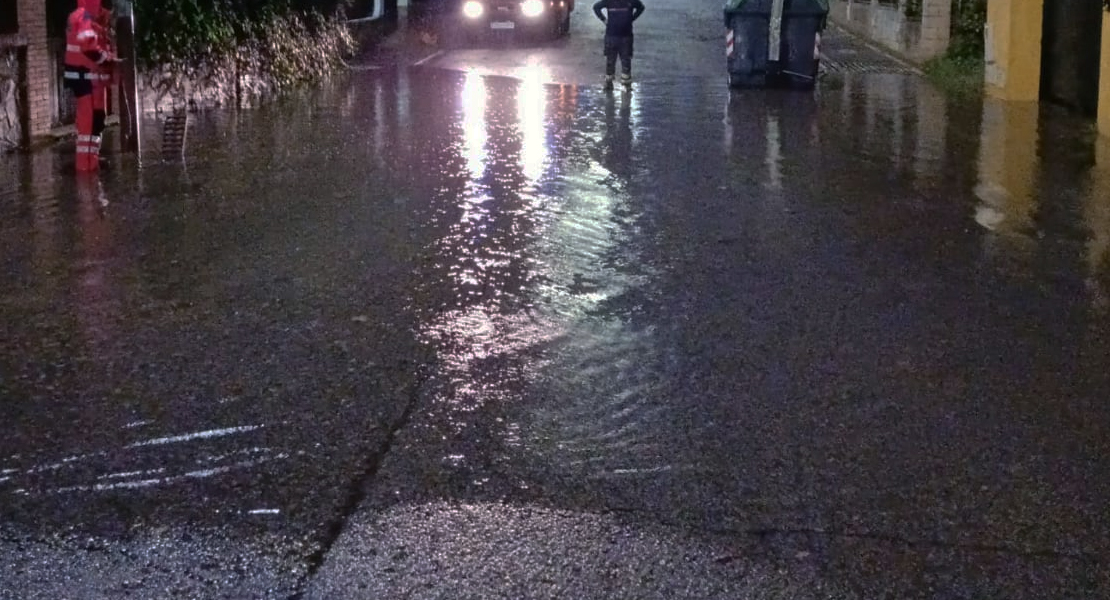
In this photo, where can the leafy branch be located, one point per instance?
(257, 43)
(197, 31)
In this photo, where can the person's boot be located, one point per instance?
(608, 83)
(626, 80)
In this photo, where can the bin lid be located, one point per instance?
(791, 5)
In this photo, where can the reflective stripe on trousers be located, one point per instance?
(88, 144)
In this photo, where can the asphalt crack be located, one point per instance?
(359, 485)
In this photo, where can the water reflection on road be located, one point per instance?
(865, 305)
(726, 326)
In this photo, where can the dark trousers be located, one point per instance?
(88, 142)
(618, 47)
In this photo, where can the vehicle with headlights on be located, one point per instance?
(547, 18)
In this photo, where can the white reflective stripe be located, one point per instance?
(73, 48)
(85, 138)
(84, 150)
(86, 34)
(89, 76)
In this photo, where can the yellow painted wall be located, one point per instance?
(1104, 78)
(1013, 52)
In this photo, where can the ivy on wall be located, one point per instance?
(175, 30)
(969, 20)
(284, 41)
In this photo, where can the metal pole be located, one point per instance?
(774, 39)
(128, 88)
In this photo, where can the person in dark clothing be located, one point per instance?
(618, 18)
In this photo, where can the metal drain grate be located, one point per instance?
(173, 134)
(858, 66)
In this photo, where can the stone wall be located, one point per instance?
(918, 38)
(33, 101)
(219, 84)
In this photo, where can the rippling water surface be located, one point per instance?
(748, 307)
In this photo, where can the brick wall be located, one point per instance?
(40, 74)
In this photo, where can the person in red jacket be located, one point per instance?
(87, 52)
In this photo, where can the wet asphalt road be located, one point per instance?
(475, 329)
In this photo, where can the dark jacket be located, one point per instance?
(619, 16)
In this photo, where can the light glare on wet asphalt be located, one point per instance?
(865, 313)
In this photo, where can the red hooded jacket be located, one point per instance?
(87, 45)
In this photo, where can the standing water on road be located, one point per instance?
(862, 311)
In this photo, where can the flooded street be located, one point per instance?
(476, 325)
